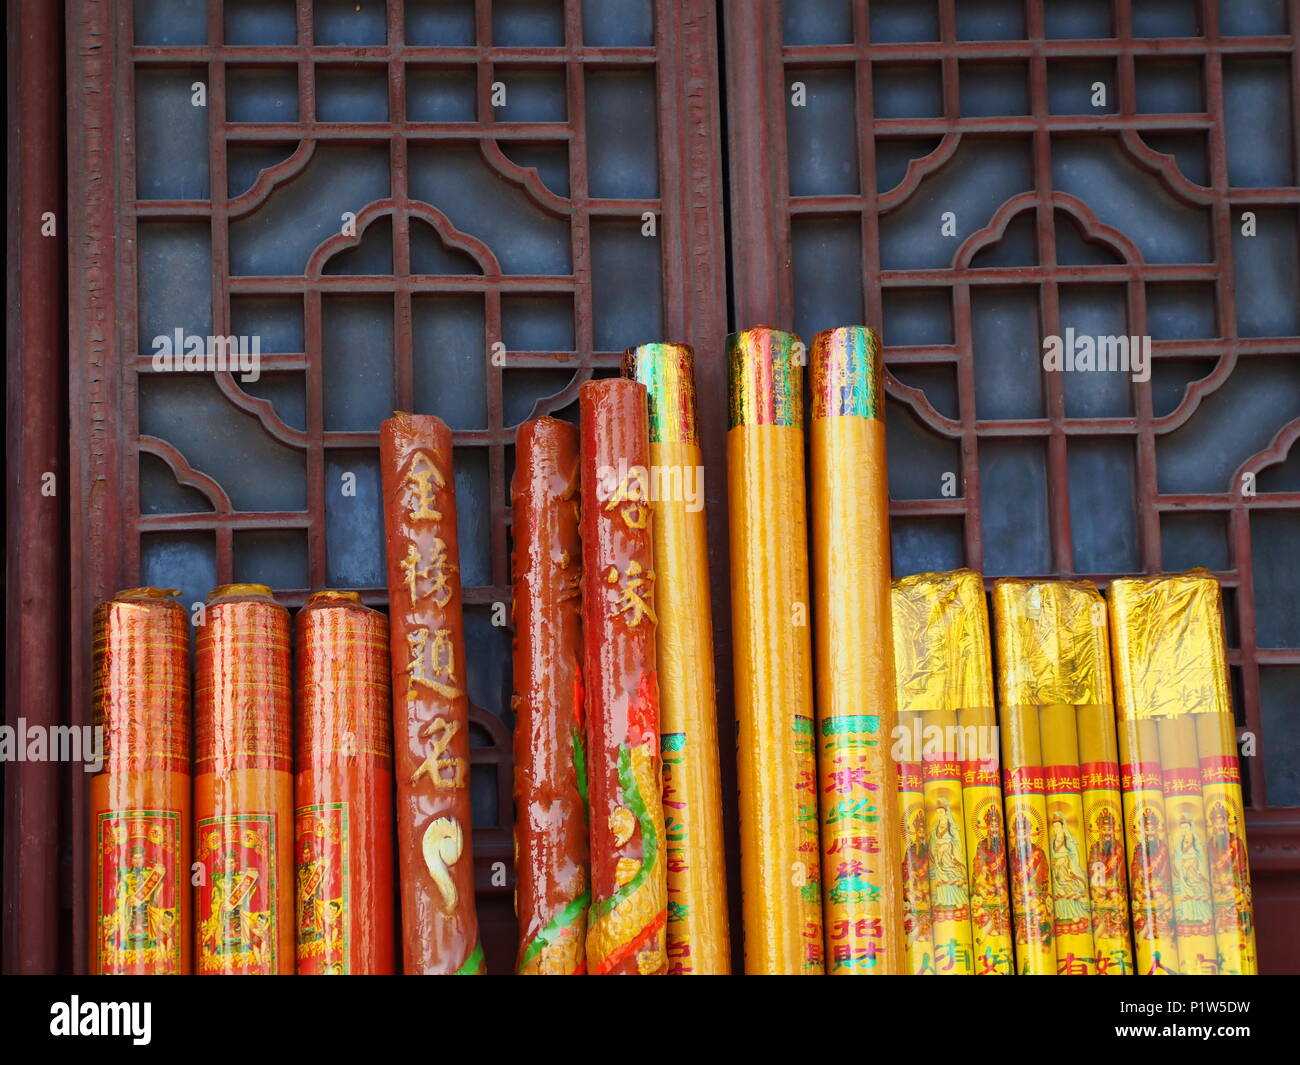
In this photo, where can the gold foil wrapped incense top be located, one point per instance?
(847, 372)
(1051, 643)
(240, 591)
(329, 596)
(668, 373)
(1170, 657)
(765, 377)
(941, 641)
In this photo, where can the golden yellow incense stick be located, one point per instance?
(918, 921)
(1103, 817)
(1216, 740)
(861, 852)
(1066, 842)
(945, 818)
(1030, 875)
(1154, 940)
(1185, 829)
(772, 650)
(981, 790)
(1171, 668)
(944, 680)
(697, 936)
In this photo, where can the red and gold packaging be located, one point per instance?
(551, 856)
(698, 939)
(1052, 660)
(1103, 817)
(430, 708)
(343, 820)
(1171, 678)
(140, 796)
(944, 684)
(918, 919)
(776, 765)
(243, 785)
(1151, 892)
(628, 865)
(862, 855)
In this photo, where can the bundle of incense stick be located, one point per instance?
(861, 851)
(1190, 882)
(140, 798)
(957, 907)
(1053, 664)
(343, 796)
(243, 785)
(698, 941)
(551, 854)
(775, 762)
(430, 705)
(629, 883)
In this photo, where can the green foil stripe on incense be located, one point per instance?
(764, 376)
(847, 373)
(668, 373)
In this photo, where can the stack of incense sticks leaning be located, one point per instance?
(1062, 778)
(958, 914)
(1183, 813)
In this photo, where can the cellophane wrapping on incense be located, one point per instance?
(698, 940)
(243, 785)
(776, 768)
(1184, 818)
(862, 855)
(1054, 662)
(625, 933)
(343, 816)
(955, 863)
(140, 797)
(435, 857)
(550, 782)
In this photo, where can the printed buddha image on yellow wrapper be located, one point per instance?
(862, 859)
(1052, 662)
(1171, 679)
(772, 656)
(697, 935)
(955, 858)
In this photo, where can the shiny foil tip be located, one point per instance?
(668, 373)
(331, 596)
(1053, 640)
(240, 591)
(941, 641)
(847, 373)
(1168, 636)
(764, 375)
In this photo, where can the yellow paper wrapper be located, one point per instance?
(862, 858)
(1052, 659)
(698, 942)
(944, 683)
(1171, 679)
(775, 758)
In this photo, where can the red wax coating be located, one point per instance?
(551, 860)
(628, 870)
(430, 707)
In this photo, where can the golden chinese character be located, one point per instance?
(636, 513)
(439, 570)
(634, 593)
(439, 762)
(427, 479)
(436, 670)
